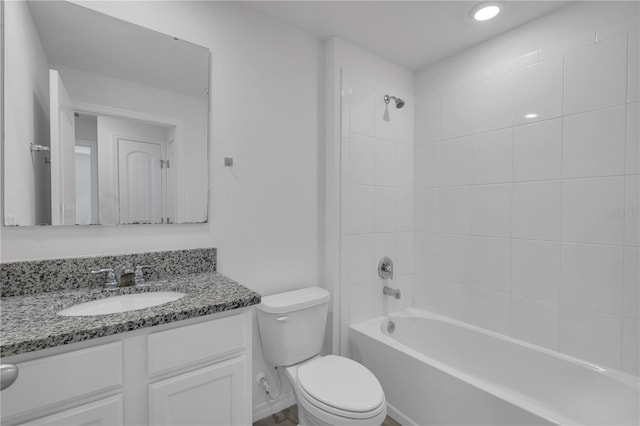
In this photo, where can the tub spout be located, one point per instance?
(391, 292)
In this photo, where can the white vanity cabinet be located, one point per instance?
(190, 372)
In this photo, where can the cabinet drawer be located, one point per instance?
(194, 343)
(51, 380)
(107, 411)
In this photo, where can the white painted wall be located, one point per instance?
(27, 119)
(369, 184)
(514, 224)
(266, 113)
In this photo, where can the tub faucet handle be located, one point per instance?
(385, 268)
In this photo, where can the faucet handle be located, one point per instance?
(138, 273)
(385, 268)
(110, 277)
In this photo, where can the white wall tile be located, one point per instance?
(633, 138)
(592, 277)
(362, 103)
(631, 291)
(538, 91)
(455, 210)
(456, 113)
(360, 303)
(361, 159)
(536, 269)
(384, 162)
(387, 118)
(594, 143)
(493, 103)
(404, 210)
(427, 118)
(455, 258)
(405, 120)
(384, 209)
(632, 211)
(633, 85)
(384, 245)
(456, 161)
(360, 259)
(425, 292)
(595, 76)
(454, 300)
(490, 310)
(568, 43)
(426, 209)
(591, 335)
(630, 353)
(491, 263)
(403, 261)
(491, 210)
(589, 209)
(426, 254)
(537, 210)
(404, 166)
(492, 157)
(537, 151)
(427, 165)
(361, 209)
(535, 321)
(405, 285)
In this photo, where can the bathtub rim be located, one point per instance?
(373, 328)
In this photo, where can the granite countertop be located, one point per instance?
(29, 323)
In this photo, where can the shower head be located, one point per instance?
(399, 102)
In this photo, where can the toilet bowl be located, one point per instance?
(334, 390)
(330, 390)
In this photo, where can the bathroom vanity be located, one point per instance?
(183, 362)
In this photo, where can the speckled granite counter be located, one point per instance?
(30, 322)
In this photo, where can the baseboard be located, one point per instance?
(266, 408)
(399, 416)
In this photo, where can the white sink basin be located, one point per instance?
(124, 303)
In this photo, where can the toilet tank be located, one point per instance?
(292, 325)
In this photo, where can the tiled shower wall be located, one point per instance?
(377, 197)
(526, 201)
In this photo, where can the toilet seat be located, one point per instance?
(340, 386)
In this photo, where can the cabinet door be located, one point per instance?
(214, 395)
(107, 411)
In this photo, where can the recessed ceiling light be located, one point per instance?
(485, 11)
(530, 115)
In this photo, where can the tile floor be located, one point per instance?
(289, 417)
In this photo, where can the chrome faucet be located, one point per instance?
(391, 292)
(385, 270)
(111, 281)
(124, 277)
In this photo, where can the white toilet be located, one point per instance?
(330, 390)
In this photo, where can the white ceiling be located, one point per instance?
(412, 34)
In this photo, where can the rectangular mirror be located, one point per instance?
(106, 122)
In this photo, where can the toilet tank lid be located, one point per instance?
(293, 300)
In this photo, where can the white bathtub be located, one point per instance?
(438, 371)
